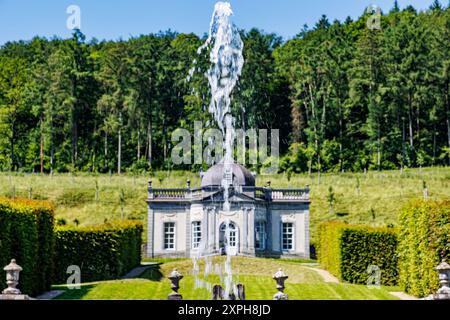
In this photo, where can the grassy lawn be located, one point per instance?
(303, 283)
(373, 198)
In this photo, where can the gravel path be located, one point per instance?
(50, 295)
(327, 277)
(403, 296)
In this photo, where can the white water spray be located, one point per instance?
(227, 60)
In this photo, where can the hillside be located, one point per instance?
(375, 202)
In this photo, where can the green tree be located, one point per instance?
(14, 113)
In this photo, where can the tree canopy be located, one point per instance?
(344, 96)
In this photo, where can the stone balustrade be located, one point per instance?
(169, 194)
(289, 194)
(268, 194)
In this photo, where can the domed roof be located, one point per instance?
(241, 176)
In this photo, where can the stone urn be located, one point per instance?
(444, 279)
(175, 278)
(12, 278)
(280, 278)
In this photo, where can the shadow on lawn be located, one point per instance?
(152, 273)
(76, 294)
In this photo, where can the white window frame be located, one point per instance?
(260, 231)
(292, 233)
(233, 238)
(173, 234)
(234, 230)
(196, 238)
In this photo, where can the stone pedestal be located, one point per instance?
(444, 279)
(14, 297)
(443, 294)
(280, 296)
(175, 296)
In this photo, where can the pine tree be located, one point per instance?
(396, 7)
(113, 75)
(365, 90)
(436, 6)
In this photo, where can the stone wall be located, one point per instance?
(244, 214)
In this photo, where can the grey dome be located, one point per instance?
(241, 176)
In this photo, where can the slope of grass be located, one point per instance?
(255, 274)
(257, 289)
(373, 198)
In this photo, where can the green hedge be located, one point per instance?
(347, 251)
(102, 252)
(424, 241)
(26, 234)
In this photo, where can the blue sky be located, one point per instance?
(114, 19)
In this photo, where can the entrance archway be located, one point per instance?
(229, 238)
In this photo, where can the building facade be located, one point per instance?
(262, 221)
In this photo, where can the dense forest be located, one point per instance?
(345, 97)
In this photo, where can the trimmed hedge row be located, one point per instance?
(424, 242)
(26, 234)
(102, 252)
(347, 251)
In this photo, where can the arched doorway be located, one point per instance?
(229, 238)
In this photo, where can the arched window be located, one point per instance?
(228, 237)
(232, 234)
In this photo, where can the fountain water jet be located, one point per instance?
(227, 60)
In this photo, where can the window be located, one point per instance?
(196, 234)
(228, 235)
(232, 238)
(260, 234)
(169, 236)
(288, 236)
